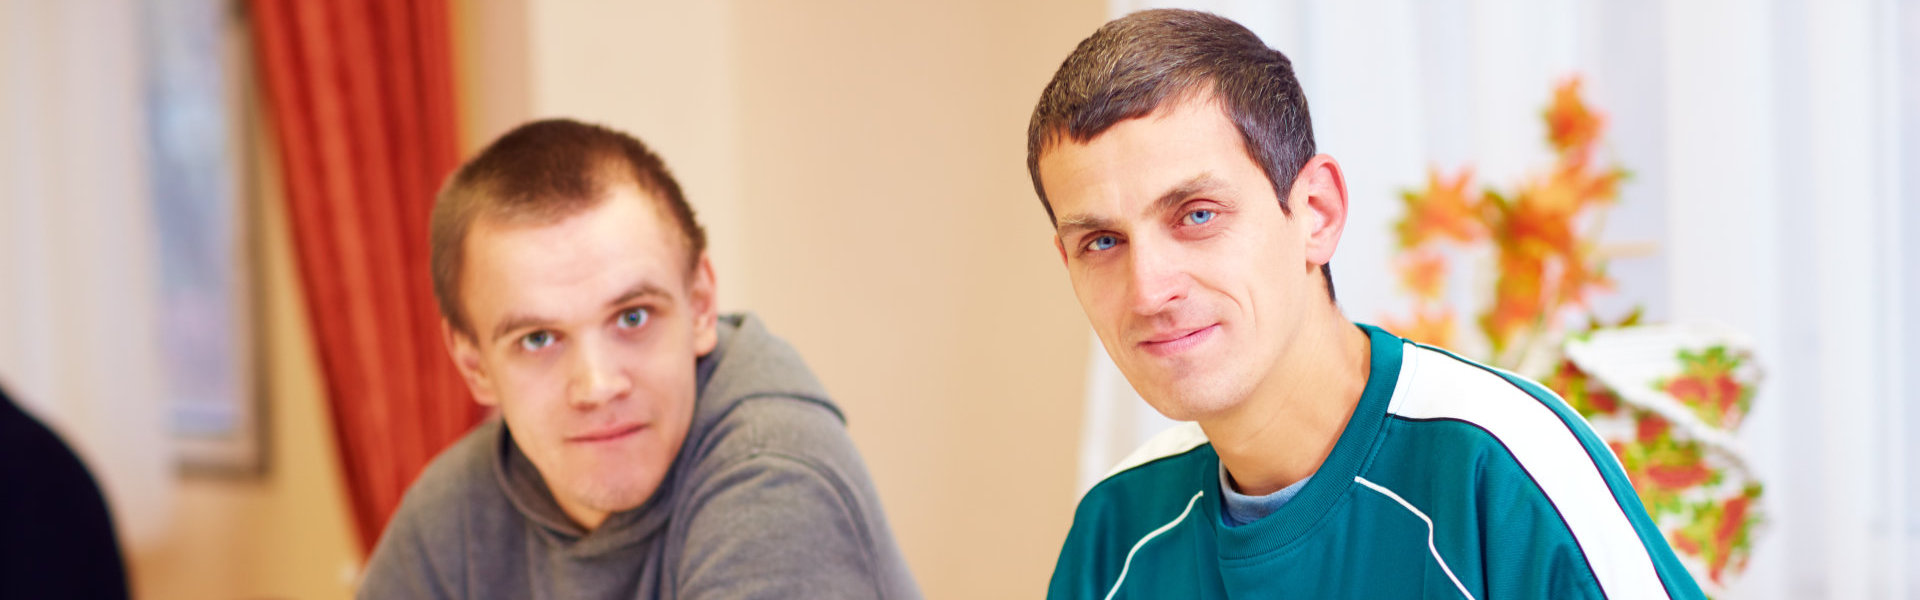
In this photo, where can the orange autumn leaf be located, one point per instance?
(1572, 127)
(1518, 300)
(1540, 222)
(1587, 187)
(1545, 262)
(1581, 274)
(1423, 273)
(1441, 211)
(1570, 190)
(1541, 218)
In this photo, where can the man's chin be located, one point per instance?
(1190, 406)
(1187, 395)
(615, 498)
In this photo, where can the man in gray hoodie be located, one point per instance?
(647, 446)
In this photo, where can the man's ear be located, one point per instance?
(702, 300)
(466, 357)
(1319, 196)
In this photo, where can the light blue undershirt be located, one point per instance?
(1240, 509)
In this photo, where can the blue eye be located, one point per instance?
(633, 318)
(1102, 243)
(1199, 217)
(536, 340)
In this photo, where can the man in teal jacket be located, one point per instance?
(1174, 152)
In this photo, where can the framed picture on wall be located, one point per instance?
(195, 101)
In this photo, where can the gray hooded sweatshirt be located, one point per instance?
(767, 499)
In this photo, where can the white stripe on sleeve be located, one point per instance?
(1439, 386)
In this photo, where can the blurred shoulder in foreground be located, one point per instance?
(56, 537)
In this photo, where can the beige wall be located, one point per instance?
(896, 240)
(861, 169)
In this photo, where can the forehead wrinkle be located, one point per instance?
(1200, 184)
(503, 244)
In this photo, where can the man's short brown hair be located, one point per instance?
(1133, 65)
(540, 173)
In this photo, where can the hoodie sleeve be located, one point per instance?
(402, 564)
(773, 526)
(787, 511)
(424, 550)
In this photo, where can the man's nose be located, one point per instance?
(597, 377)
(1157, 278)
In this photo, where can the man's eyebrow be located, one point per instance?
(516, 322)
(1074, 223)
(1198, 185)
(641, 289)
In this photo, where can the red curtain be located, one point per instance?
(360, 94)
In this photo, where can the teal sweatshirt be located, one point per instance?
(1451, 480)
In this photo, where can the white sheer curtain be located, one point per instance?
(78, 265)
(1770, 144)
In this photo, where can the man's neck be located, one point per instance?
(1290, 423)
(587, 518)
